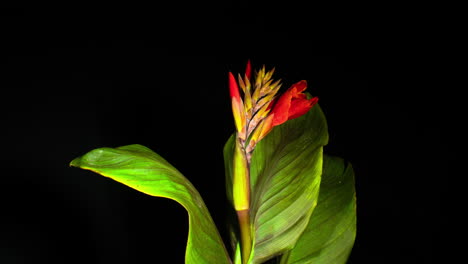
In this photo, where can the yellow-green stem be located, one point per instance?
(246, 238)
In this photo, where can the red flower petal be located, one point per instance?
(281, 108)
(298, 88)
(300, 96)
(272, 103)
(292, 104)
(300, 107)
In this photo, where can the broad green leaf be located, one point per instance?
(286, 170)
(285, 177)
(330, 234)
(140, 168)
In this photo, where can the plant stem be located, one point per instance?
(246, 239)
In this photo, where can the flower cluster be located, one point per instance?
(260, 109)
(255, 115)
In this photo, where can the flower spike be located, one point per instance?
(237, 107)
(262, 109)
(255, 117)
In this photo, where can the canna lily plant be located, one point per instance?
(293, 203)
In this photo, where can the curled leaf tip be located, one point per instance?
(75, 162)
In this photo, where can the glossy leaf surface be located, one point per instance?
(142, 169)
(330, 234)
(285, 177)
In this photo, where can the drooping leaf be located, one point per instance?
(142, 169)
(285, 176)
(330, 234)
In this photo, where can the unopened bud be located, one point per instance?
(241, 179)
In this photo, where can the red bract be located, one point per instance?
(248, 70)
(233, 88)
(292, 104)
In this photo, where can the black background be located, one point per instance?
(78, 78)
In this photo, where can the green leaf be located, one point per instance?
(228, 153)
(285, 172)
(330, 234)
(285, 175)
(140, 168)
